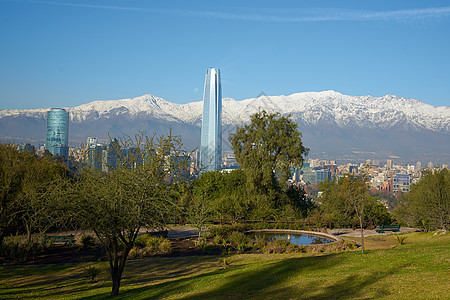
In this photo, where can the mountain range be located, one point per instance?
(334, 126)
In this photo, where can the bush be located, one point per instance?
(87, 241)
(225, 262)
(260, 242)
(427, 204)
(400, 239)
(146, 245)
(239, 240)
(165, 247)
(19, 249)
(278, 246)
(92, 272)
(226, 230)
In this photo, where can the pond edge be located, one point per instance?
(315, 233)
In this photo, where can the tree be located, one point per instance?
(223, 193)
(35, 201)
(198, 212)
(428, 202)
(346, 197)
(266, 149)
(133, 195)
(12, 171)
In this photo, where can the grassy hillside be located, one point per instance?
(417, 270)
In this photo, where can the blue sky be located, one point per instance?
(65, 53)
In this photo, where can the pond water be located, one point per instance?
(296, 238)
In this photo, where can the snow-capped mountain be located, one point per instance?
(325, 115)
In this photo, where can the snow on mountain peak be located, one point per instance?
(307, 107)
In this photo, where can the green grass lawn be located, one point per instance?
(417, 270)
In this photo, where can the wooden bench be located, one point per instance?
(384, 228)
(61, 239)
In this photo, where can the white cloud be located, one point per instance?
(306, 15)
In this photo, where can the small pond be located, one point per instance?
(294, 238)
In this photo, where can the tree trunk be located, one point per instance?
(117, 266)
(28, 227)
(362, 235)
(116, 276)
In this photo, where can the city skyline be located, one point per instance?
(66, 53)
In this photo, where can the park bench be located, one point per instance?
(384, 228)
(61, 239)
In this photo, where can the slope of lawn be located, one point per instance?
(418, 269)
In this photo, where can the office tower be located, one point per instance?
(402, 183)
(211, 136)
(58, 132)
(389, 164)
(91, 141)
(418, 166)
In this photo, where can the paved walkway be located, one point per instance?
(357, 232)
(181, 232)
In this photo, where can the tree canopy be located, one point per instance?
(266, 149)
(26, 184)
(133, 195)
(427, 204)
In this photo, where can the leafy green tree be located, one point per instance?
(224, 193)
(35, 201)
(428, 202)
(12, 172)
(199, 212)
(25, 186)
(296, 197)
(266, 149)
(134, 195)
(347, 198)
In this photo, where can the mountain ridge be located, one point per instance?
(332, 124)
(312, 107)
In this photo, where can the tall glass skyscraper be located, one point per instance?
(58, 132)
(211, 138)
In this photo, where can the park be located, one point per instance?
(81, 232)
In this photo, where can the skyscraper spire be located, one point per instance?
(211, 138)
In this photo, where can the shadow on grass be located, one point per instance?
(268, 280)
(51, 280)
(275, 282)
(151, 270)
(297, 277)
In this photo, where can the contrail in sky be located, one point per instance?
(307, 15)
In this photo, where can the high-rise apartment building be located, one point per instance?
(58, 132)
(389, 164)
(211, 135)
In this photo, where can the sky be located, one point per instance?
(64, 53)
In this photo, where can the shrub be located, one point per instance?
(260, 242)
(92, 272)
(225, 262)
(218, 240)
(238, 240)
(146, 245)
(400, 239)
(226, 230)
(277, 246)
(165, 247)
(87, 241)
(18, 249)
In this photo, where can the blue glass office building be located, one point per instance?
(211, 136)
(58, 132)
